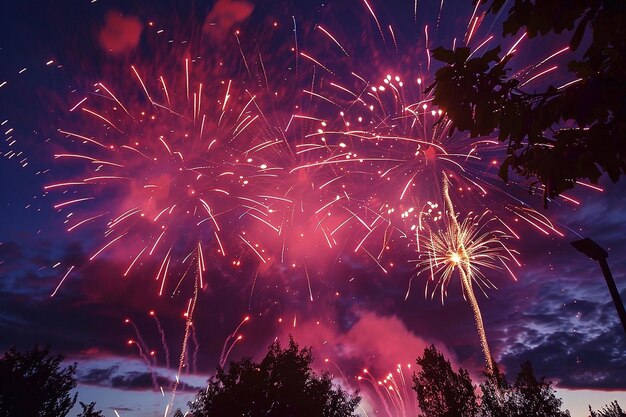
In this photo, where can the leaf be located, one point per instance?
(461, 54)
(492, 54)
(495, 6)
(580, 30)
(444, 55)
(503, 172)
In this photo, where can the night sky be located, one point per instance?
(558, 313)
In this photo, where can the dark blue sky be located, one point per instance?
(558, 314)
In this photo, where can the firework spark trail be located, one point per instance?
(148, 362)
(467, 285)
(392, 391)
(140, 341)
(232, 345)
(143, 348)
(382, 398)
(233, 336)
(397, 395)
(187, 364)
(343, 376)
(407, 390)
(396, 398)
(163, 338)
(256, 276)
(183, 350)
(196, 349)
(62, 281)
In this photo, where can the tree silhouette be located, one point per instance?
(498, 396)
(526, 397)
(281, 385)
(32, 384)
(88, 410)
(536, 397)
(441, 392)
(611, 410)
(480, 97)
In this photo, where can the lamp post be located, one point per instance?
(595, 252)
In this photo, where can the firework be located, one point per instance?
(371, 146)
(399, 142)
(394, 391)
(467, 248)
(232, 338)
(166, 349)
(164, 174)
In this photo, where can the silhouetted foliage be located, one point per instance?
(88, 410)
(498, 396)
(526, 397)
(480, 97)
(32, 384)
(611, 410)
(178, 413)
(536, 397)
(441, 392)
(281, 385)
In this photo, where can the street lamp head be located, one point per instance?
(590, 248)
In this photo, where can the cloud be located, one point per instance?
(224, 15)
(9, 251)
(126, 374)
(136, 380)
(565, 326)
(120, 34)
(575, 360)
(97, 376)
(579, 344)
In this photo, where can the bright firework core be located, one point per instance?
(455, 258)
